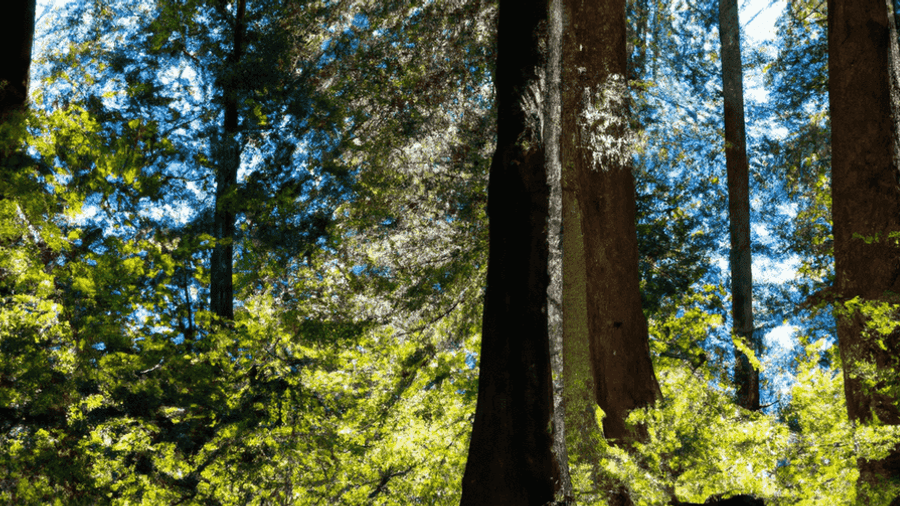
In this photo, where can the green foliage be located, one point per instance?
(699, 444)
(819, 465)
(349, 375)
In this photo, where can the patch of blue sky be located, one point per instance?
(789, 209)
(760, 18)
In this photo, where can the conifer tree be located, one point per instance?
(596, 158)
(510, 459)
(746, 376)
(228, 159)
(863, 97)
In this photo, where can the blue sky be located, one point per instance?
(758, 18)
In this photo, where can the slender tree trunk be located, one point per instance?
(221, 288)
(510, 459)
(595, 93)
(555, 309)
(746, 377)
(862, 70)
(16, 39)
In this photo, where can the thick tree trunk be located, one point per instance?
(510, 460)
(579, 394)
(228, 157)
(746, 377)
(865, 203)
(16, 38)
(594, 93)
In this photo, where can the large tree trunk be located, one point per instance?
(16, 38)
(228, 158)
(594, 94)
(510, 460)
(865, 203)
(578, 395)
(746, 377)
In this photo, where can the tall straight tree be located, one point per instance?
(596, 149)
(228, 159)
(557, 309)
(863, 97)
(16, 36)
(746, 376)
(510, 459)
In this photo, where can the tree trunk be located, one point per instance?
(15, 60)
(595, 108)
(579, 395)
(510, 460)
(227, 153)
(556, 310)
(865, 203)
(746, 377)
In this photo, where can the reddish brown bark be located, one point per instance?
(593, 53)
(865, 202)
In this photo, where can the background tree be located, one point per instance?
(227, 157)
(746, 375)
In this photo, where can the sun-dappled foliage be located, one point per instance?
(349, 373)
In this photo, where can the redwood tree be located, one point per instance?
(510, 459)
(595, 150)
(865, 210)
(746, 376)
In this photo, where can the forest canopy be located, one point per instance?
(449, 252)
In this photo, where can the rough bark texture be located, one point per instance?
(16, 38)
(555, 311)
(579, 393)
(746, 377)
(510, 461)
(865, 201)
(221, 287)
(593, 54)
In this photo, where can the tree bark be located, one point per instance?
(866, 203)
(579, 392)
(556, 310)
(221, 285)
(594, 71)
(16, 38)
(510, 459)
(746, 377)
